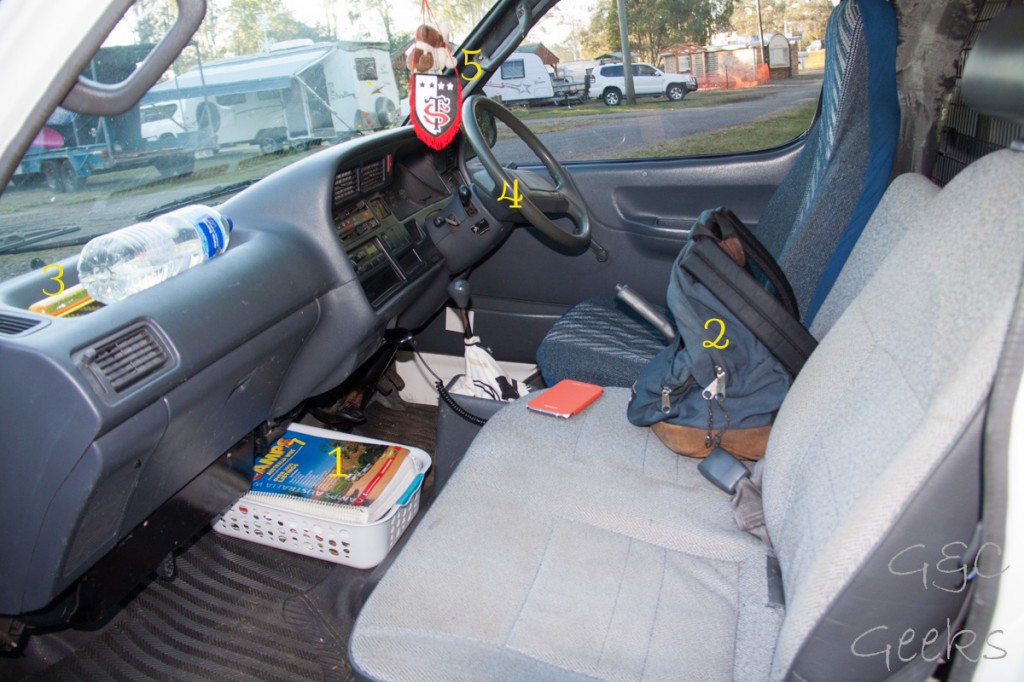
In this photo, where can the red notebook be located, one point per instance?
(566, 398)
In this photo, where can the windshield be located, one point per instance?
(262, 84)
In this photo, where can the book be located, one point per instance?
(335, 475)
(565, 399)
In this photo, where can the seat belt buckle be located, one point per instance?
(724, 470)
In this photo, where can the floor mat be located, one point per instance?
(236, 610)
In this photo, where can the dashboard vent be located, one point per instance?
(372, 175)
(344, 185)
(11, 325)
(129, 358)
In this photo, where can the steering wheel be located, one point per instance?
(539, 196)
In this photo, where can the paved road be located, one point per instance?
(613, 135)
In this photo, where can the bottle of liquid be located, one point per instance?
(121, 263)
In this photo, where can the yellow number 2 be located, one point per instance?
(721, 333)
(56, 278)
(479, 69)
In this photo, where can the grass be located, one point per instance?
(768, 132)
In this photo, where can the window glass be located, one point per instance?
(513, 68)
(262, 84)
(366, 69)
(739, 104)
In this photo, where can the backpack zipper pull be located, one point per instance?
(666, 406)
(716, 388)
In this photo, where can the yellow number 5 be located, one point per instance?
(56, 278)
(479, 69)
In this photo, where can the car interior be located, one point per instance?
(543, 548)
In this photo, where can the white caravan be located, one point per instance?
(297, 92)
(522, 78)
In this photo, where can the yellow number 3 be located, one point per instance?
(721, 333)
(56, 278)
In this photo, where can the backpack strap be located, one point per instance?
(772, 318)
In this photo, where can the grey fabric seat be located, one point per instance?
(811, 222)
(583, 549)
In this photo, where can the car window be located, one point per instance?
(262, 84)
(740, 102)
(513, 68)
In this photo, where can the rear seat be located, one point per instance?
(584, 549)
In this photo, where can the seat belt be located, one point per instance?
(731, 476)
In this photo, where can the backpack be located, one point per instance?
(739, 345)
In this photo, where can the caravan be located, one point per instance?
(297, 93)
(522, 79)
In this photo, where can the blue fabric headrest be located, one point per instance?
(993, 78)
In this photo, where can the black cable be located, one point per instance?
(447, 397)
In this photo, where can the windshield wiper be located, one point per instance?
(22, 244)
(214, 193)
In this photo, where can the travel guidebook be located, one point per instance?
(330, 474)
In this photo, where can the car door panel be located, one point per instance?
(640, 215)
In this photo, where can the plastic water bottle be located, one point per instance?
(121, 263)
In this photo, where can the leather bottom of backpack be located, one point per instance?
(688, 440)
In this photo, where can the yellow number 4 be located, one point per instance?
(56, 278)
(479, 69)
(516, 196)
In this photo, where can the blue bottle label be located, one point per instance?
(210, 236)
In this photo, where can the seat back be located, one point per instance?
(872, 474)
(816, 215)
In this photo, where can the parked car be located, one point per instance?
(608, 82)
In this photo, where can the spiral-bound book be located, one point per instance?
(334, 475)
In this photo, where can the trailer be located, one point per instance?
(521, 79)
(71, 146)
(297, 93)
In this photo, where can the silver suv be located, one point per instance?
(608, 82)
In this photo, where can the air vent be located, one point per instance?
(372, 175)
(11, 325)
(344, 185)
(126, 359)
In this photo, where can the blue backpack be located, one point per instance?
(739, 345)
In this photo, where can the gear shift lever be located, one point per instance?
(459, 292)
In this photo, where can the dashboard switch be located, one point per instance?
(481, 226)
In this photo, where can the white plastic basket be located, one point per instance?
(352, 544)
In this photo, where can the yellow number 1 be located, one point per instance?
(479, 69)
(56, 278)
(516, 196)
(337, 466)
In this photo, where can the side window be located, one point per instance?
(693, 70)
(231, 100)
(366, 69)
(513, 68)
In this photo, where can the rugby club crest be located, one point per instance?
(436, 103)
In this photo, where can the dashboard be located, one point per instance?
(105, 477)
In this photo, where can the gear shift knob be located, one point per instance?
(459, 292)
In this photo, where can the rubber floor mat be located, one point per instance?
(235, 611)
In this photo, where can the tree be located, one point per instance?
(462, 15)
(258, 23)
(656, 24)
(787, 17)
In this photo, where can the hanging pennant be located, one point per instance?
(435, 100)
